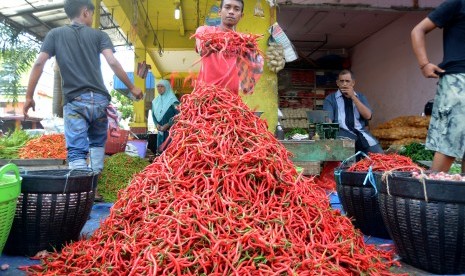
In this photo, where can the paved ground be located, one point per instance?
(101, 211)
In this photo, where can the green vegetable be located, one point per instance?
(12, 142)
(455, 168)
(117, 173)
(296, 130)
(416, 152)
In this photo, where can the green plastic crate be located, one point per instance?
(10, 188)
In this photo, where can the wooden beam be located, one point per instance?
(178, 4)
(157, 73)
(137, 32)
(130, 19)
(172, 40)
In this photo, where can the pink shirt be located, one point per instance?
(217, 69)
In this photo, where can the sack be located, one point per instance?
(280, 37)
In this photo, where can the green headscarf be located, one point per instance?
(162, 103)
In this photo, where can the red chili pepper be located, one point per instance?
(384, 162)
(225, 199)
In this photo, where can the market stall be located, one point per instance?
(227, 197)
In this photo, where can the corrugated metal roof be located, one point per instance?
(38, 17)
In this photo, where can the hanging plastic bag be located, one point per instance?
(280, 37)
(258, 10)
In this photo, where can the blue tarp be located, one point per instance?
(119, 85)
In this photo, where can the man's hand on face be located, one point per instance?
(346, 85)
(348, 92)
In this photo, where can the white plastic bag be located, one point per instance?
(280, 37)
(131, 150)
(53, 125)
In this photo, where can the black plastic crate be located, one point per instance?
(360, 202)
(428, 234)
(51, 211)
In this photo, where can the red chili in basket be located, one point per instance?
(384, 162)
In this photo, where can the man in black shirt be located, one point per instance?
(446, 133)
(77, 48)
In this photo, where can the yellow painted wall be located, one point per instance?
(265, 96)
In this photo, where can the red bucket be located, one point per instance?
(116, 144)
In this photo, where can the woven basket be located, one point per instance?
(360, 203)
(429, 235)
(116, 144)
(10, 187)
(52, 209)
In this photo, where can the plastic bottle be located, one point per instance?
(279, 134)
(150, 123)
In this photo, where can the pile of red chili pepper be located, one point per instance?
(229, 43)
(326, 178)
(45, 146)
(223, 199)
(384, 162)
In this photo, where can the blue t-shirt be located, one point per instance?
(77, 49)
(450, 16)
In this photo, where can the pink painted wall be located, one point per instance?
(387, 72)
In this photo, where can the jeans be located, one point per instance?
(86, 124)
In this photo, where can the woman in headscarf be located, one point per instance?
(163, 111)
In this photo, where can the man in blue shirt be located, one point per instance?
(351, 110)
(446, 132)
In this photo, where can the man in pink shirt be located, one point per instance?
(221, 68)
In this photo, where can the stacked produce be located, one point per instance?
(402, 131)
(45, 146)
(11, 143)
(223, 199)
(294, 118)
(117, 174)
(275, 57)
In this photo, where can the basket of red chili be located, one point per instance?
(357, 190)
(425, 216)
(358, 196)
(51, 210)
